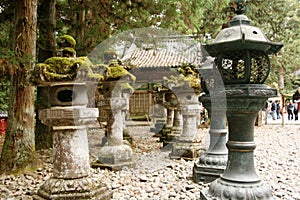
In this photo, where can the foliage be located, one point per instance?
(91, 22)
(4, 94)
(8, 61)
(188, 76)
(280, 22)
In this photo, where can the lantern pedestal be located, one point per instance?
(172, 126)
(186, 145)
(176, 129)
(159, 114)
(240, 181)
(115, 154)
(69, 118)
(166, 131)
(213, 162)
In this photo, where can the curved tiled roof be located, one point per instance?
(164, 52)
(153, 58)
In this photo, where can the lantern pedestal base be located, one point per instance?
(169, 138)
(222, 189)
(209, 168)
(213, 162)
(158, 127)
(188, 150)
(81, 188)
(114, 157)
(164, 134)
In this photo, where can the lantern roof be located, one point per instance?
(241, 35)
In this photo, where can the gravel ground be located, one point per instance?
(155, 176)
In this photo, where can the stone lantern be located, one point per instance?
(186, 145)
(173, 124)
(241, 52)
(68, 116)
(115, 154)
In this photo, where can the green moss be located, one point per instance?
(64, 69)
(69, 52)
(188, 75)
(116, 71)
(67, 41)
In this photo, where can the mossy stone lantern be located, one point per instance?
(241, 53)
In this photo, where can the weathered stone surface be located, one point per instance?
(68, 116)
(83, 188)
(114, 157)
(70, 150)
(70, 153)
(115, 154)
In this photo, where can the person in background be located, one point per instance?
(273, 110)
(296, 110)
(290, 109)
(278, 109)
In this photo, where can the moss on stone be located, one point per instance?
(188, 75)
(116, 71)
(69, 52)
(68, 68)
(64, 69)
(67, 41)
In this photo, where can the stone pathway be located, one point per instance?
(155, 176)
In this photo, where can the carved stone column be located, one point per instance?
(115, 154)
(69, 117)
(186, 145)
(213, 162)
(166, 102)
(176, 129)
(240, 180)
(159, 115)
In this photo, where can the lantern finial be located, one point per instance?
(238, 6)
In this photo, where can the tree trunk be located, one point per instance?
(18, 151)
(46, 49)
(46, 26)
(281, 77)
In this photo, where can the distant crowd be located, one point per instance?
(274, 109)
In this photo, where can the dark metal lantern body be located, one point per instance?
(242, 52)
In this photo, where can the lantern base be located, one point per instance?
(114, 157)
(188, 150)
(223, 189)
(169, 138)
(82, 188)
(209, 168)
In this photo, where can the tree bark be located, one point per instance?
(18, 151)
(281, 77)
(46, 49)
(46, 26)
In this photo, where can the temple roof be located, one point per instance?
(153, 58)
(167, 52)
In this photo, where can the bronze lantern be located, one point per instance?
(241, 57)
